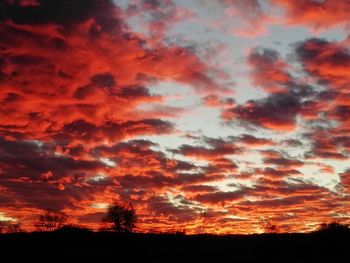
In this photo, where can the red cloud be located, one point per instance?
(198, 188)
(158, 16)
(59, 69)
(218, 148)
(282, 171)
(276, 112)
(327, 61)
(254, 141)
(284, 162)
(71, 82)
(215, 101)
(316, 14)
(269, 70)
(204, 153)
(327, 145)
(345, 180)
(220, 197)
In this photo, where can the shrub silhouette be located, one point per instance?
(73, 229)
(10, 227)
(51, 220)
(14, 228)
(334, 227)
(122, 216)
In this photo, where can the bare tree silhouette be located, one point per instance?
(122, 216)
(51, 220)
(268, 226)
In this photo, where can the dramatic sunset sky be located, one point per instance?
(206, 115)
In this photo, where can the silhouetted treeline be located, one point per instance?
(59, 241)
(69, 245)
(120, 217)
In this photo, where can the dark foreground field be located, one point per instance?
(112, 247)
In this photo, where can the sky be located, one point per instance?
(209, 116)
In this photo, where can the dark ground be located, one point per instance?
(114, 247)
